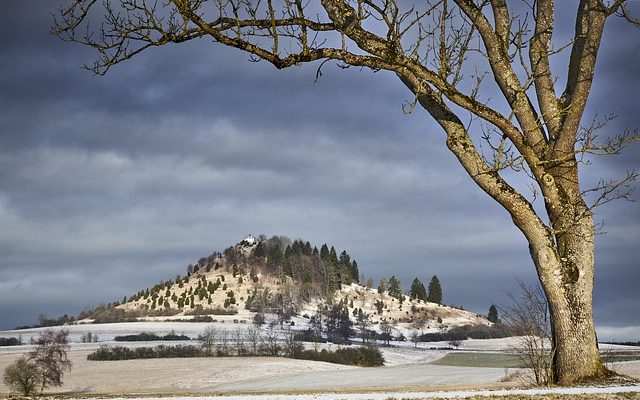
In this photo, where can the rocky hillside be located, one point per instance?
(279, 277)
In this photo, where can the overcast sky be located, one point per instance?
(109, 184)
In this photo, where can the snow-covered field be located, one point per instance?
(407, 368)
(632, 392)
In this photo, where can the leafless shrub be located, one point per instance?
(528, 317)
(208, 338)
(253, 338)
(238, 342)
(270, 344)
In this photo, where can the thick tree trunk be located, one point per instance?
(566, 274)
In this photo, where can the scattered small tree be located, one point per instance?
(22, 376)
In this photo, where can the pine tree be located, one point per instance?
(333, 256)
(345, 259)
(493, 314)
(417, 290)
(259, 251)
(382, 286)
(324, 253)
(435, 291)
(355, 273)
(395, 288)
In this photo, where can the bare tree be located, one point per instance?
(418, 326)
(386, 329)
(528, 317)
(292, 347)
(363, 322)
(442, 51)
(50, 357)
(208, 338)
(253, 337)
(222, 348)
(239, 342)
(270, 344)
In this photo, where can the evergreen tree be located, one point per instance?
(355, 274)
(333, 256)
(259, 251)
(345, 260)
(382, 286)
(435, 291)
(493, 314)
(324, 253)
(417, 290)
(339, 326)
(307, 249)
(395, 289)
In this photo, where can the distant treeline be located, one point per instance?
(496, 331)
(11, 341)
(637, 344)
(150, 337)
(359, 356)
(44, 322)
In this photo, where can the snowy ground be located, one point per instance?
(406, 368)
(632, 392)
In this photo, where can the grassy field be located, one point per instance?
(486, 360)
(504, 360)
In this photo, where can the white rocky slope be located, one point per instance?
(222, 292)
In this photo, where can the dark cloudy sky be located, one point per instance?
(109, 184)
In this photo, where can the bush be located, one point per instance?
(199, 311)
(111, 315)
(149, 337)
(22, 376)
(117, 353)
(465, 332)
(309, 336)
(360, 356)
(11, 341)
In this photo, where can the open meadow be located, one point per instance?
(477, 364)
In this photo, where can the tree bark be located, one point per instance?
(568, 285)
(566, 272)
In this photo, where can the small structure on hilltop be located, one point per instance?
(249, 241)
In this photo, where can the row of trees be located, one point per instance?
(433, 295)
(319, 271)
(393, 287)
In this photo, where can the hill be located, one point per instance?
(277, 279)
